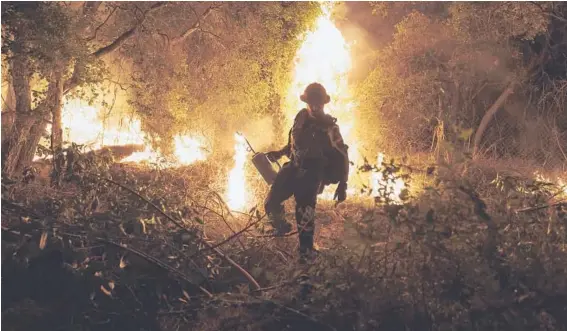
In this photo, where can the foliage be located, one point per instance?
(46, 34)
(445, 70)
(473, 250)
(238, 67)
(459, 254)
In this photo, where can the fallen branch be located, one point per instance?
(277, 236)
(179, 225)
(263, 289)
(223, 219)
(524, 210)
(236, 234)
(157, 262)
(223, 202)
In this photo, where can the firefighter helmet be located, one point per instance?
(315, 93)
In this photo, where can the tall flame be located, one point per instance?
(324, 57)
(237, 196)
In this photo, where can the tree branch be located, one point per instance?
(72, 82)
(220, 40)
(210, 246)
(157, 262)
(102, 24)
(488, 116)
(193, 27)
(127, 34)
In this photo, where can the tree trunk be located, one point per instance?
(12, 145)
(8, 108)
(29, 149)
(488, 116)
(56, 104)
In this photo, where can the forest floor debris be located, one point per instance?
(105, 255)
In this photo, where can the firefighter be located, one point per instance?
(318, 157)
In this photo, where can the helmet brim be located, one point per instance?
(325, 99)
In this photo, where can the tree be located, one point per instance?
(444, 69)
(233, 70)
(181, 56)
(37, 43)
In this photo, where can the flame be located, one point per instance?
(393, 187)
(236, 194)
(147, 155)
(324, 57)
(560, 182)
(86, 125)
(187, 150)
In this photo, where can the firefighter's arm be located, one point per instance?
(286, 150)
(295, 136)
(339, 144)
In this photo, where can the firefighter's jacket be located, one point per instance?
(318, 143)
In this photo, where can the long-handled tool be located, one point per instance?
(262, 163)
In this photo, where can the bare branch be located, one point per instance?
(157, 262)
(214, 35)
(165, 37)
(72, 82)
(127, 34)
(102, 24)
(245, 273)
(116, 43)
(193, 27)
(488, 116)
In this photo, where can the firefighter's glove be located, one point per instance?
(340, 193)
(273, 156)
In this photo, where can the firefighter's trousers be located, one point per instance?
(304, 186)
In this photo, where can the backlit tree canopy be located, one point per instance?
(231, 71)
(180, 65)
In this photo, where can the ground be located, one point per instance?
(126, 247)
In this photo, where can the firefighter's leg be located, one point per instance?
(305, 202)
(281, 190)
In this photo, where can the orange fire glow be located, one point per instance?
(236, 194)
(86, 125)
(559, 181)
(324, 57)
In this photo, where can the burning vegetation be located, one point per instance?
(130, 198)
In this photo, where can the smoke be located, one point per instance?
(260, 133)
